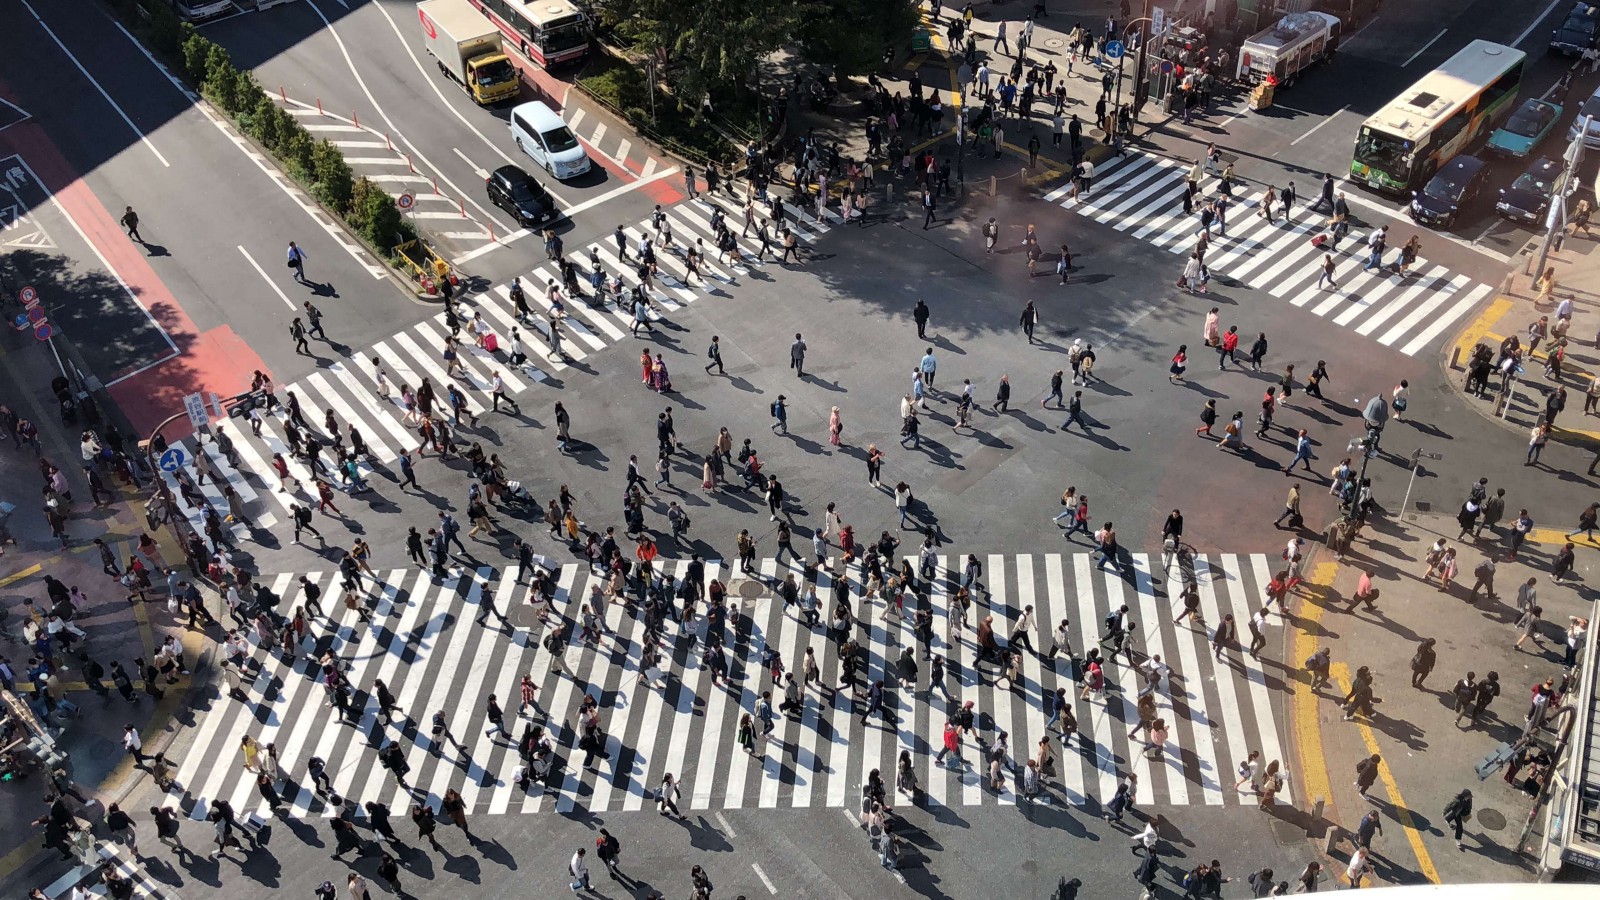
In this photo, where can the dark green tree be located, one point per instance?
(707, 47)
(851, 35)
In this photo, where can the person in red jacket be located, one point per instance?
(952, 743)
(1228, 347)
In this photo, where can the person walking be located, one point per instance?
(797, 356)
(130, 221)
(297, 262)
(1456, 814)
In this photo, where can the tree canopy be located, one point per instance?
(716, 45)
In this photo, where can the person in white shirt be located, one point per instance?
(579, 870)
(498, 392)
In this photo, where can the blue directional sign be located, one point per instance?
(1114, 49)
(173, 459)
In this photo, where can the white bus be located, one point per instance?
(1455, 106)
(548, 32)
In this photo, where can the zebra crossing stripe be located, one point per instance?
(422, 644)
(1142, 195)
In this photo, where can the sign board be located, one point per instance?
(173, 459)
(216, 407)
(33, 315)
(1166, 67)
(1114, 49)
(195, 406)
(405, 201)
(1158, 20)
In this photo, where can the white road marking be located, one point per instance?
(599, 133)
(48, 30)
(56, 201)
(1424, 48)
(725, 826)
(349, 62)
(270, 283)
(619, 190)
(771, 888)
(1535, 23)
(623, 148)
(479, 170)
(1400, 213)
(1319, 125)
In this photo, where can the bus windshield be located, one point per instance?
(563, 34)
(1384, 152)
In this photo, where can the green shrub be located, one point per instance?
(264, 123)
(297, 149)
(380, 220)
(222, 79)
(246, 90)
(196, 53)
(332, 180)
(166, 32)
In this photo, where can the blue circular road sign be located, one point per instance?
(172, 460)
(1114, 49)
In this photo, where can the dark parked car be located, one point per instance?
(1529, 196)
(1454, 187)
(1578, 32)
(515, 191)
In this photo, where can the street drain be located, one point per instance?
(1491, 819)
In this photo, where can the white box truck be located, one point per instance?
(1279, 54)
(467, 48)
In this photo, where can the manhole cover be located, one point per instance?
(523, 616)
(1054, 42)
(748, 588)
(1492, 819)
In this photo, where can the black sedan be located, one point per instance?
(515, 191)
(1529, 196)
(1454, 187)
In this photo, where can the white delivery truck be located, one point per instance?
(467, 48)
(1279, 54)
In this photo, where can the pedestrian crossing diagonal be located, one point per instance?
(440, 644)
(350, 388)
(1143, 195)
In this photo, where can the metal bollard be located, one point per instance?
(1335, 833)
(994, 187)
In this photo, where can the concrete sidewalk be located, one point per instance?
(117, 630)
(1577, 271)
(1426, 757)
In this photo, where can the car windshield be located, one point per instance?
(1446, 186)
(559, 139)
(1591, 107)
(1530, 120)
(1538, 182)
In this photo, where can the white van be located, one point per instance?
(541, 134)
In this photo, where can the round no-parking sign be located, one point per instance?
(405, 201)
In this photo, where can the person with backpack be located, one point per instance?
(1456, 814)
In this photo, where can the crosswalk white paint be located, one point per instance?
(426, 645)
(1143, 195)
(416, 353)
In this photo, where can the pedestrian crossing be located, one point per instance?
(426, 645)
(1143, 195)
(349, 388)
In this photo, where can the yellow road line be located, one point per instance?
(1303, 712)
(1481, 326)
(25, 573)
(1341, 674)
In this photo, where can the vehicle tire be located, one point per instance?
(519, 146)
